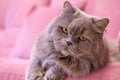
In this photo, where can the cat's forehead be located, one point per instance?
(80, 24)
(63, 21)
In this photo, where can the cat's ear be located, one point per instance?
(101, 24)
(68, 8)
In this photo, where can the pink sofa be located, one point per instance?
(21, 21)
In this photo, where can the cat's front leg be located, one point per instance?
(55, 73)
(35, 71)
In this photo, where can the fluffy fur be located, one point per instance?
(73, 45)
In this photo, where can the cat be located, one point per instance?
(72, 45)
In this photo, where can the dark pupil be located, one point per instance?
(65, 30)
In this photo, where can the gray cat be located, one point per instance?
(73, 45)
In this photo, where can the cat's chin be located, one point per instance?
(69, 53)
(65, 53)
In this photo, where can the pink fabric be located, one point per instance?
(7, 41)
(6, 44)
(12, 13)
(13, 69)
(43, 2)
(16, 13)
(12, 16)
(59, 3)
(90, 5)
(33, 26)
(110, 9)
(16, 71)
(3, 7)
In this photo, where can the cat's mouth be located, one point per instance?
(64, 57)
(69, 52)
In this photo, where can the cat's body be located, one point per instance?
(73, 45)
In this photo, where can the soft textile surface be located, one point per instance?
(12, 12)
(43, 2)
(7, 41)
(16, 13)
(13, 69)
(90, 5)
(33, 26)
(16, 71)
(12, 16)
(3, 7)
(6, 44)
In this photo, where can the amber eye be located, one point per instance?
(82, 38)
(64, 30)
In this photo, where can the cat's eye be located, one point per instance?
(82, 38)
(64, 30)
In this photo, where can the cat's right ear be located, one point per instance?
(68, 8)
(102, 23)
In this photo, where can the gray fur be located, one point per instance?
(53, 58)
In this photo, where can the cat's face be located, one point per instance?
(75, 33)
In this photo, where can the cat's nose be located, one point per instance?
(69, 43)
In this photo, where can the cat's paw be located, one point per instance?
(52, 77)
(38, 78)
(35, 78)
(47, 78)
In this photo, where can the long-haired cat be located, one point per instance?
(73, 45)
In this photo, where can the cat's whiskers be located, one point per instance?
(74, 52)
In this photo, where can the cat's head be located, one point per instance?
(75, 33)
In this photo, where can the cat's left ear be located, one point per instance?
(68, 8)
(102, 24)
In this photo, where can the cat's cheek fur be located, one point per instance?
(60, 44)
